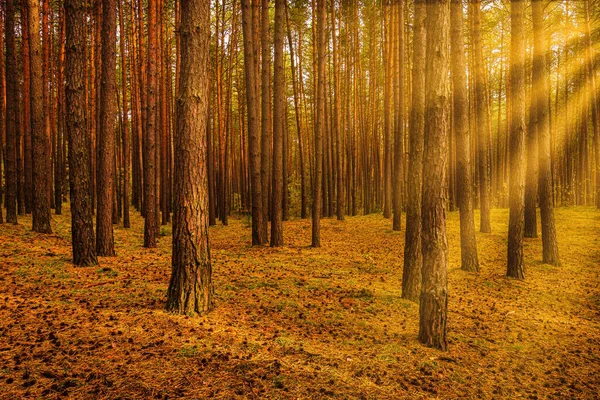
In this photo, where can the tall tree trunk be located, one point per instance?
(541, 93)
(60, 120)
(319, 123)
(531, 174)
(278, 121)
(399, 120)
(515, 267)
(336, 120)
(106, 136)
(258, 232)
(191, 288)
(27, 145)
(434, 292)
(482, 134)
(267, 122)
(2, 109)
(150, 166)
(594, 99)
(82, 227)
(126, 125)
(12, 96)
(468, 244)
(387, 105)
(298, 112)
(411, 276)
(40, 142)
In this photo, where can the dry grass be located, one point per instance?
(298, 322)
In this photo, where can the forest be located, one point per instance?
(299, 199)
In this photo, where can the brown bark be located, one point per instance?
(411, 275)
(2, 111)
(531, 175)
(12, 96)
(59, 173)
(468, 244)
(46, 48)
(399, 120)
(278, 121)
(541, 93)
(126, 125)
(150, 166)
(106, 139)
(434, 291)
(387, 102)
(191, 289)
(319, 124)
(515, 267)
(481, 115)
(594, 99)
(298, 111)
(82, 228)
(267, 122)
(336, 121)
(40, 140)
(258, 232)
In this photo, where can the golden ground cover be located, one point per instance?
(298, 322)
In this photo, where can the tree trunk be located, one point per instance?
(482, 137)
(40, 140)
(468, 244)
(278, 121)
(399, 120)
(298, 112)
(150, 166)
(126, 125)
(267, 122)
(319, 124)
(515, 267)
(106, 136)
(336, 121)
(541, 93)
(434, 292)
(191, 289)
(387, 103)
(413, 261)
(531, 176)
(82, 227)
(594, 100)
(12, 96)
(258, 232)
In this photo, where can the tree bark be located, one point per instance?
(319, 124)
(541, 93)
(106, 136)
(258, 232)
(434, 292)
(515, 267)
(191, 289)
(126, 125)
(482, 137)
(531, 176)
(82, 227)
(413, 261)
(40, 140)
(278, 121)
(399, 121)
(12, 101)
(267, 121)
(336, 120)
(150, 166)
(468, 244)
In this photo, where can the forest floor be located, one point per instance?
(298, 322)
